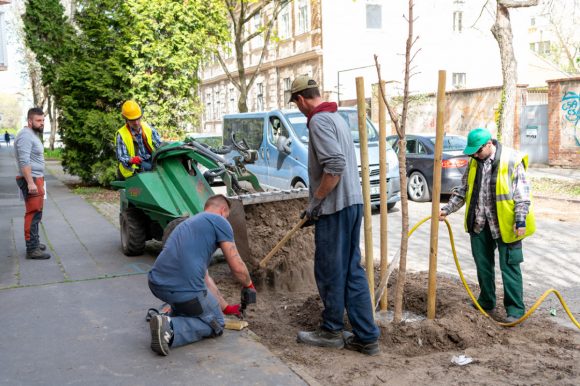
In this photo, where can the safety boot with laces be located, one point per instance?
(321, 338)
(161, 334)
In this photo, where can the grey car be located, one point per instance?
(420, 160)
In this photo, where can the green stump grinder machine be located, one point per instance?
(153, 202)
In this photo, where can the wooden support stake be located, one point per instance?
(366, 186)
(436, 198)
(384, 167)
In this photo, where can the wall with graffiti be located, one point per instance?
(564, 122)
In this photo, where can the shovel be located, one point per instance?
(286, 237)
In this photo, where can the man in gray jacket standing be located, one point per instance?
(335, 208)
(29, 153)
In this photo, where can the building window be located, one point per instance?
(208, 111)
(544, 47)
(260, 97)
(287, 93)
(257, 25)
(458, 21)
(459, 80)
(218, 106)
(284, 22)
(232, 107)
(374, 16)
(303, 16)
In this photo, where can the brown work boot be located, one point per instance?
(37, 254)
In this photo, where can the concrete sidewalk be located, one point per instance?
(79, 317)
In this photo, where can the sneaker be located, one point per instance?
(321, 338)
(161, 334)
(42, 247)
(351, 342)
(37, 254)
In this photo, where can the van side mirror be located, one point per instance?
(283, 144)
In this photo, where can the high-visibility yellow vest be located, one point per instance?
(505, 204)
(128, 141)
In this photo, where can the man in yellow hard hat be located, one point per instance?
(135, 141)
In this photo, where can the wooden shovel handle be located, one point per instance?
(286, 237)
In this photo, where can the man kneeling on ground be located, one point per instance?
(180, 278)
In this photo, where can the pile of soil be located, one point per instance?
(537, 352)
(291, 267)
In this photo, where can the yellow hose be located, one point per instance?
(530, 311)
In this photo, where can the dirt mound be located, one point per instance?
(291, 268)
(415, 353)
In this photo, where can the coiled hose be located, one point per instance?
(527, 314)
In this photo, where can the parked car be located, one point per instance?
(420, 160)
(281, 139)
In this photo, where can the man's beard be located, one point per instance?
(38, 129)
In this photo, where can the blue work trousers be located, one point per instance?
(340, 277)
(189, 329)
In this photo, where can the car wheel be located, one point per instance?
(133, 232)
(299, 185)
(417, 188)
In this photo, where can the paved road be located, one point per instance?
(552, 255)
(78, 318)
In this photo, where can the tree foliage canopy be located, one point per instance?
(113, 51)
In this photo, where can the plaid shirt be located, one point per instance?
(485, 210)
(141, 149)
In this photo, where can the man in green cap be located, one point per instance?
(498, 215)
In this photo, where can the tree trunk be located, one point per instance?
(402, 275)
(502, 31)
(52, 116)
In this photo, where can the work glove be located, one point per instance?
(232, 309)
(312, 212)
(136, 160)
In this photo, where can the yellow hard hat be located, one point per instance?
(131, 110)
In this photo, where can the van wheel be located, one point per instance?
(133, 232)
(417, 187)
(299, 185)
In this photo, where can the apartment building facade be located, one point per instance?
(335, 41)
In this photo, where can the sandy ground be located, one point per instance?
(413, 352)
(539, 352)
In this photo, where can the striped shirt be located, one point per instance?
(485, 210)
(140, 148)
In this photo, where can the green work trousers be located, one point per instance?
(483, 249)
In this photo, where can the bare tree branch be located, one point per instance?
(227, 72)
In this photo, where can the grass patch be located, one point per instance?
(55, 154)
(556, 188)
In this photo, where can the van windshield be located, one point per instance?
(298, 122)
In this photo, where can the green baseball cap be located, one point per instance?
(476, 139)
(301, 83)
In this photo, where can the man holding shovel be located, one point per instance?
(335, 207)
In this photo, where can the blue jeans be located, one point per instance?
(340, 277)
(189, 329)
